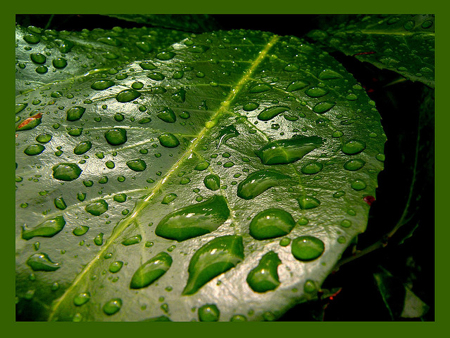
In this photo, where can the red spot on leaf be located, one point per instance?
(364, 53)
(28, 120)
(369, 199)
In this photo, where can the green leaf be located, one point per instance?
(401, 43)
(46, 56)
(399, 299)
(186, 22)
(316, 205)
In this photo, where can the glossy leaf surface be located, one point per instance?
(118, 187)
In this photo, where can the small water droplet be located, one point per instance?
(354, 164)
(296, 85)
(81, 230)
(238, 318)
(310, 286)
(353, 147)
(250, 106)
(165, 55)
(169, 198)
(97, 208)
(167, 115)
(132, 240)
(358, 185)
(60, 203)
(98, 240)
(269, 113)
(112, 306)
(115, 267)
(102, 84)
(75, 113)
(137, 165)
(307, 248)
(312, 168)
(156, 76)
(323, 107)
(81, 298)
(346, 223)
(82, 148)
(271, 223)
(202, 166)
(259, 88)
(285, 241)
(308, 202)
(127, 95)
(44, 138)
(316, 92)
(329, 74)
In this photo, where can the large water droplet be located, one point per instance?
(75, 113)
(264, 277)
(66, 171)
(81, 298)
(137, 165)
(316, 92)
(259, 88)
(352, 147)
(288, 150)
(208, 313)
(308, 202)
(329, 74)
(30, 122)
(212, 259)
(355, 164)
(165, 55)
(307, 248)
(202, 166)
(82, 147)
(41, 262)
(212, 182)
(296, 85)
(48, 228)
(269, 113)
(312, 168)
(97, 208)
(102, 84)
(194, 220)
(168, 140)
(258, 182)
(59, 63)
(167, 115)
(34, 149)
(151, 270)
(127, 95)
(271, 223)
(156, 76)
(323, 107)
(113, 306)
(116, 136)
(38, 58)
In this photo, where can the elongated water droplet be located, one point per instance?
(60, 203)
(316, 92)
(127, 95)
(323, 107)
(115, 267)
(308, 202)
(194, 220)
(250, 106)
(353, 147)
(156, 76)
(38, 58)
(66, 171)
(75, 113)
(98, 240)
(41, 262)
(208, 313)
(258, 182)
(329, 74)
(116, 136)
(102, 84)
(44, 138)
(113, 306)
(48, 228)
(358, 185)
(312, 168)
(151, 270)
(269, 113)
(132, 240)
(169, 198)
(34, 149)
(238, 318)
(264, 277)
(30, 123)
(81, 298)
(212, 259)
(307, 248)
(271, 223)
(355, 164)
(260, 88)
(97, 208)
(168, 140)
(296, 85)
(288, 150)
(137, 165)
(81, 230)
(167, 115)
(202, 166)
(165, 55)
(82, 147)
(212, 182)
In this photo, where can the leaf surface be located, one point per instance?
(401, 43)
(152, 165)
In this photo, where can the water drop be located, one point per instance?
(259, 88)
(66, 171)
(179, 96)
(346, 223)
(116, 136)
(137, 165)
(80, 231)
(81, 298)
(269, 113)
(97, 208)
(75, 113)
(147, 65)
(30, 122)
(168, 140)
(194, 220)
(48, 228)
(296, 85)
(151, 270)
(127, 95)
(132, 240)
(112, 306)
(102, 84)
(202, 166)
(285, 241)
(44, 138)
(316, 92)
(312, 168)
(358, 185)
(165, 55)
(329, 74)
(323, 107)
(308, 202)
(288, 150)
(82, 148)
(354, 164)
(309, 286)
(41, 262)
(307, 248)
(59, 63)
(238, 318)
(167, 115)
(156, 76)
(208, 313)
(258, 182)
(353, 147)
(115, 267)
(264, 277)
(60, 203)
(291, 67)
(169, 198)
(250, 106)
(271, 223)
(212, 182)
(226, 133)
(38, 58)
(98, 240)
(212, 259)
(34, 149)
(32, 39)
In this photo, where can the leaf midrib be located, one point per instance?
(122, 225)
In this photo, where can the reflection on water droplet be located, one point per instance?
(102, 84)
(169, 198)
(82, 148)
(309, 286)
(323, 107)
(271, 223)
(167, 115)
(151, 270)
(264, 277)
(250, 106)
(194, 220)
(307, 248)
(115, 267)
(212, 259)
(259, 88)
(208, 313)
(238, 318)
(329, 74)
(296, 85)
(316, 92)
(127, 95)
